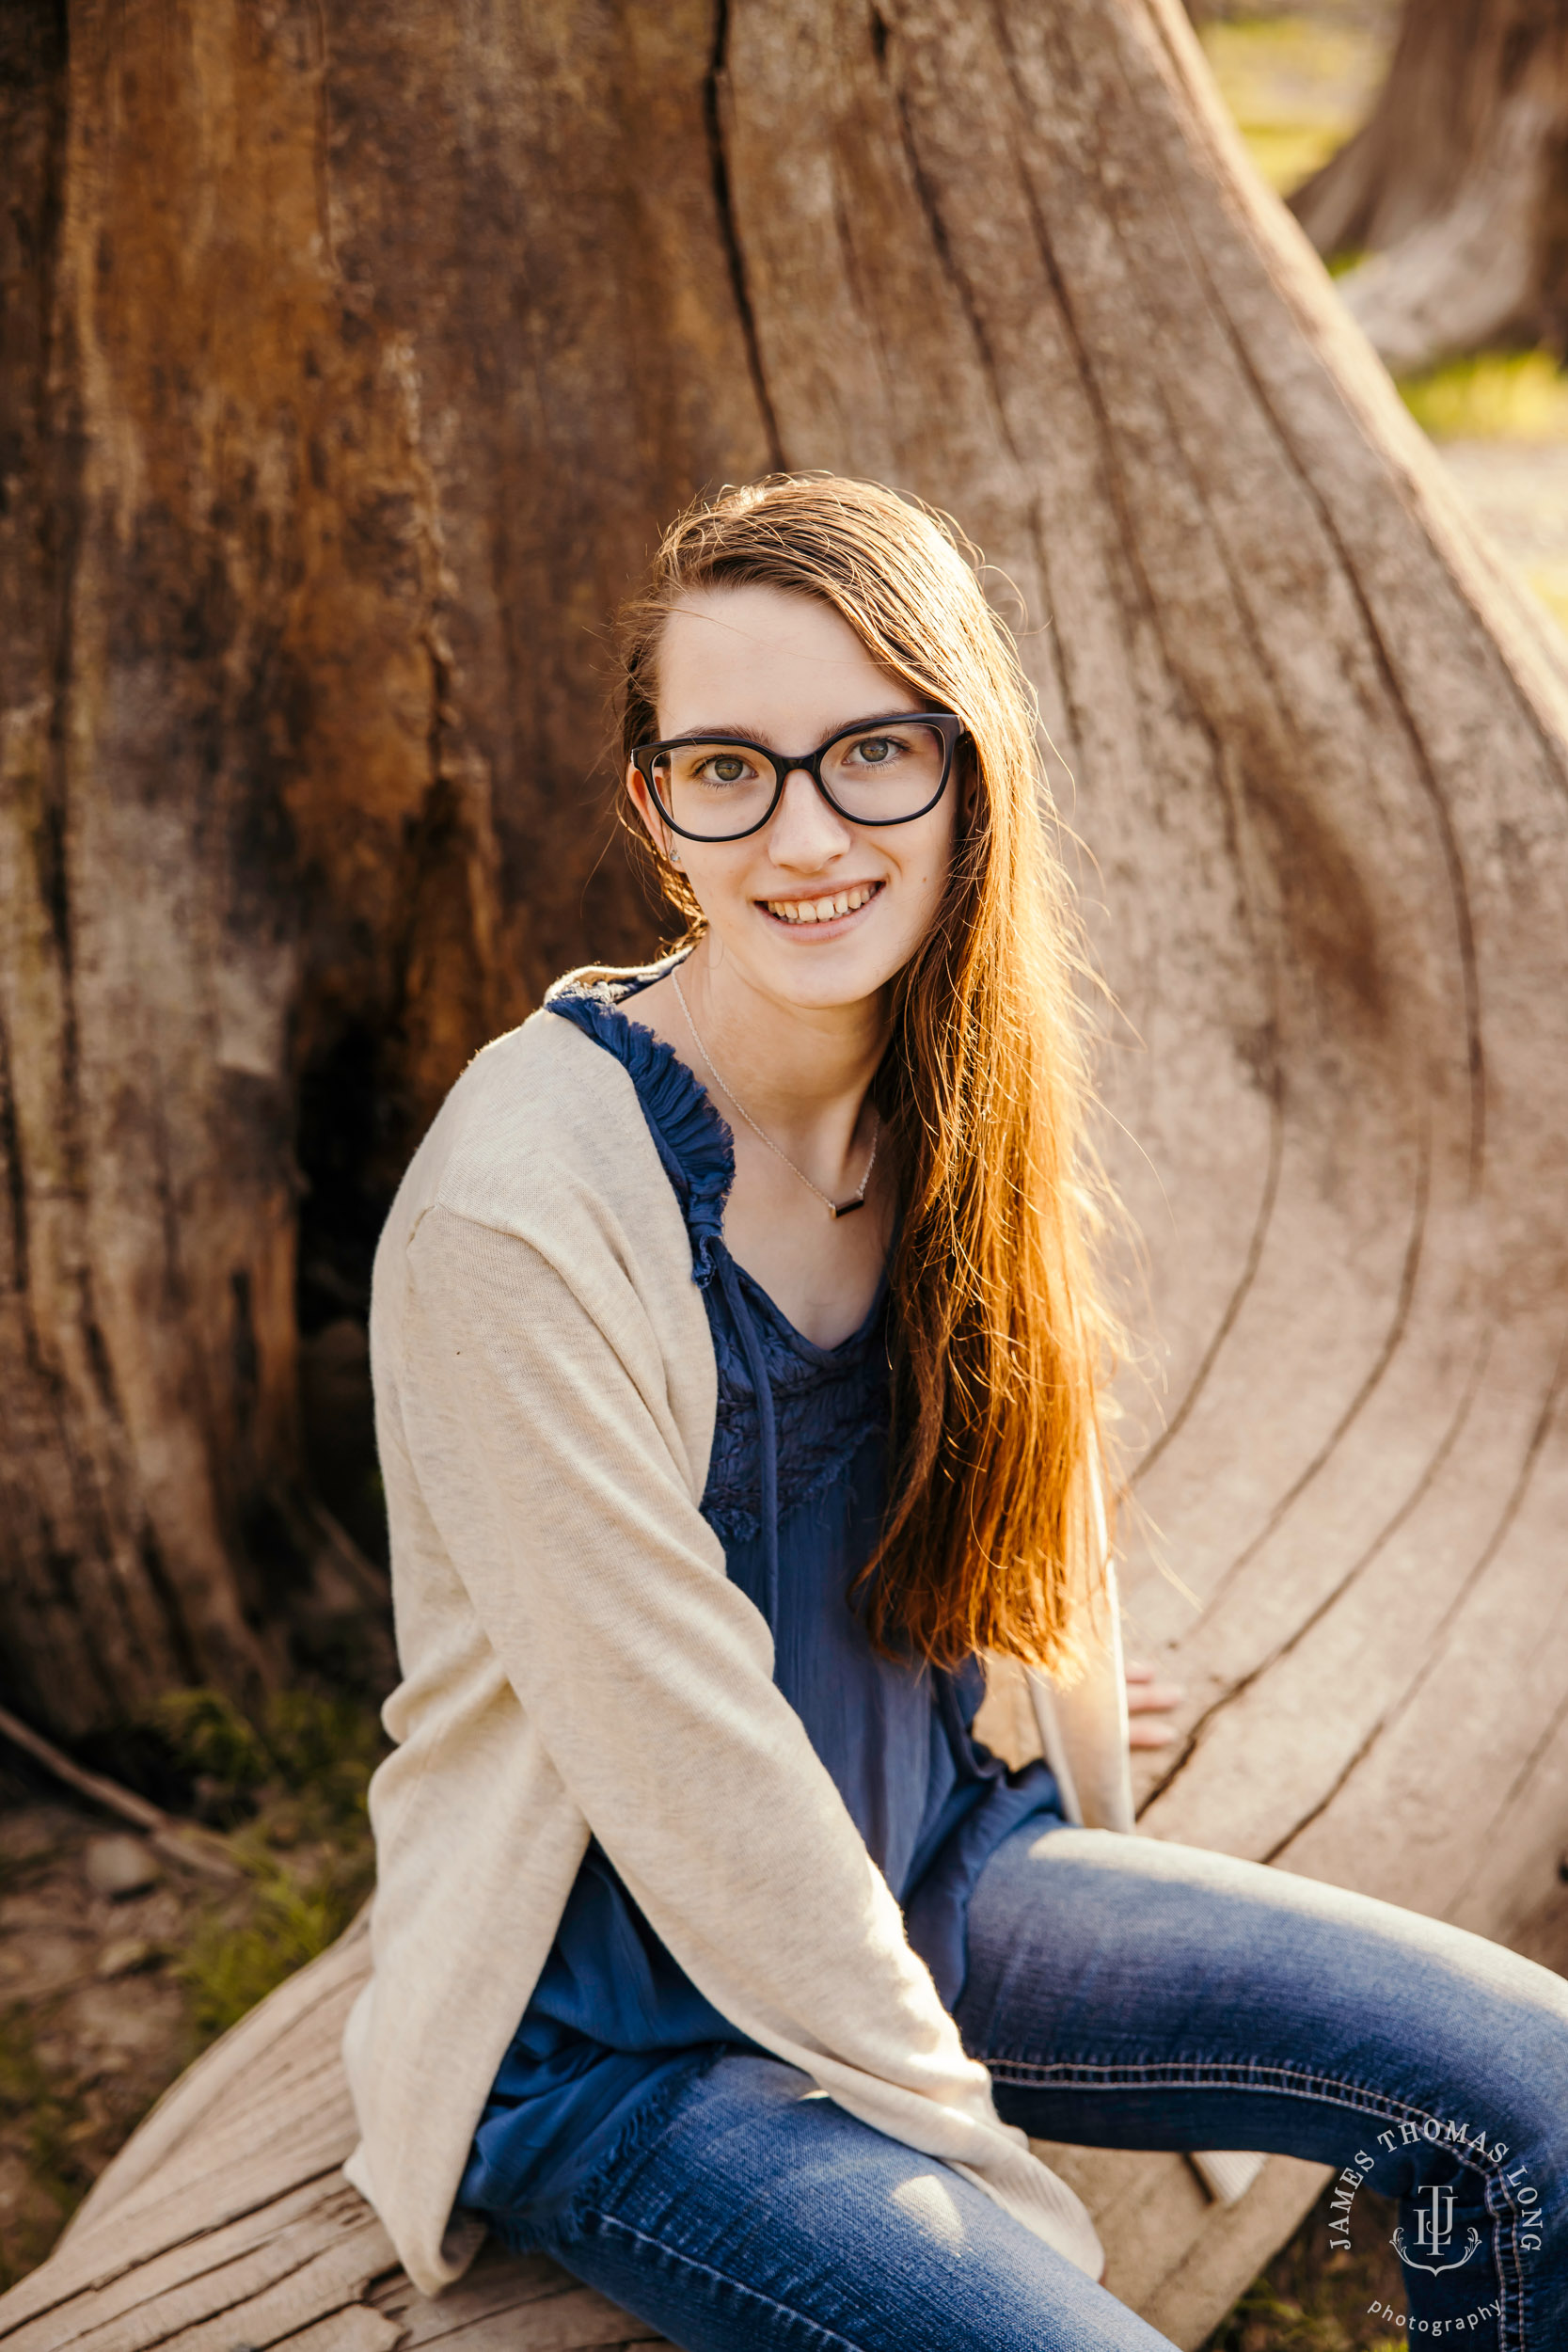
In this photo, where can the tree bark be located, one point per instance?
(315, 498)
(1456, 188)
(351, 360)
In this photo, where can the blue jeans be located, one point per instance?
(1125, 1993)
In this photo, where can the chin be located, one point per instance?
(832, 973)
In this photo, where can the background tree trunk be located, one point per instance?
(354, 355)
(323, 467)
(1457, 185)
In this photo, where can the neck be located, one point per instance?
(802, 1072)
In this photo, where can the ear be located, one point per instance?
(643, 801)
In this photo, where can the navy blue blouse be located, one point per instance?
(795, 1492)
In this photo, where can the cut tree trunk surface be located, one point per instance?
(1456, 187)
(1312, 737)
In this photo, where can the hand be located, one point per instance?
(1145, 1696)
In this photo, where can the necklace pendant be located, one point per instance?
(835, 1208)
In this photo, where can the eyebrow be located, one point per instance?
(759, 735)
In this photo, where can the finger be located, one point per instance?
(1142, 1735)
(1155, 1698)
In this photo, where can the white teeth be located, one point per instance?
(820, 910)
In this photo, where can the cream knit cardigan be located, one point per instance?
(575, 1661)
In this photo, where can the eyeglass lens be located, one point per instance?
(715, 790)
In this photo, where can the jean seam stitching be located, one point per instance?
(1281, 2081)
(609, 2221)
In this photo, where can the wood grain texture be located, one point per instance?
(1312, 738)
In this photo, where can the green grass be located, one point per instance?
(1496, 396)
(1511, 396)
(289, 1792)
(1296, 86)
(1550, 583)
(1264, 2321)
(301, 1776)
(305, 1765)
(287, 1916)
(48, 2111)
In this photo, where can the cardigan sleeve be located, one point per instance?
(540, 1435)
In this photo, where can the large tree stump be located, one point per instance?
(1314, 737)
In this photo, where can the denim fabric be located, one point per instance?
(1124, 1994)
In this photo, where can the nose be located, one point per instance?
(806, 832)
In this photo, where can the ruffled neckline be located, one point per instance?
(694, 1145)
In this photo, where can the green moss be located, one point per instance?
(1264, 2321)
(209, 1737)
(1496, 396)
(326, 1748)
(289, 1916)
(302, 1772)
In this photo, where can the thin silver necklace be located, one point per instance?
(834, 1208)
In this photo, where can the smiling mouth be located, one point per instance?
(822, 910)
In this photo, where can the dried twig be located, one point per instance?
(180, 1842)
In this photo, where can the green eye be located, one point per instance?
(876, 750)
(728, 770)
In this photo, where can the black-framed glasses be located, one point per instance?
(880, 771)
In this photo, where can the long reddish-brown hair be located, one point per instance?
(992, 1536)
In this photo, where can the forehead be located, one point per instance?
(752, 659)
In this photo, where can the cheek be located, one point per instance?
(717, 880)
(927, 869)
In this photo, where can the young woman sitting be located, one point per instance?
(740, 1372)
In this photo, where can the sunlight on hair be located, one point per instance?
(1003, 1339)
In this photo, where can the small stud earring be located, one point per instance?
(674, 857)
